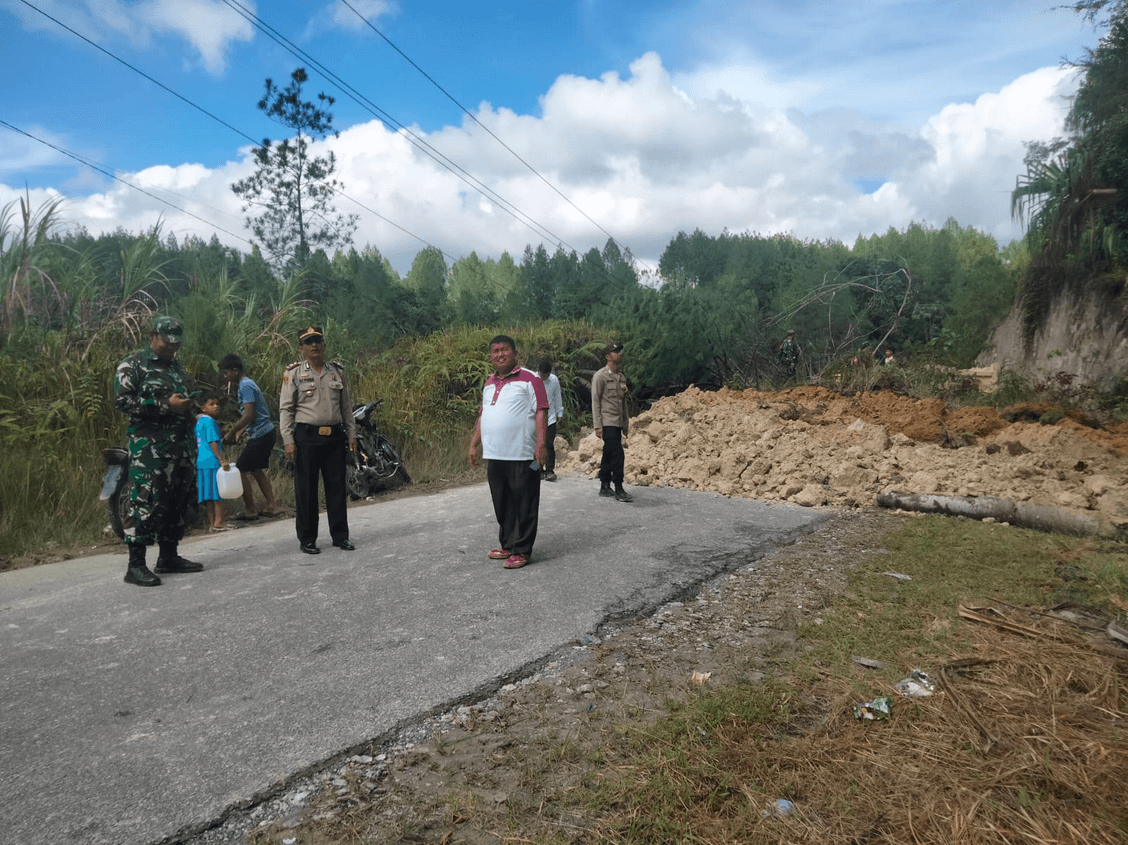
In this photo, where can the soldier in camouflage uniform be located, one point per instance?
(153, 390)
(789, 353)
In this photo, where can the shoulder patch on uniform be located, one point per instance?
(336, 364)
(291, 366)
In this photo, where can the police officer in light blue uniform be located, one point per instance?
(317, 425)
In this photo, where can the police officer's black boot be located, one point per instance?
(137, 572)
(170, 561)
(605, 489)
(622, 495)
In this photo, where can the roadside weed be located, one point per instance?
(718, 765)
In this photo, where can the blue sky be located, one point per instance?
(820, 119)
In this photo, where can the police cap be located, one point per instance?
(311, 334)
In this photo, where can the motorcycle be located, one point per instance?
(115, 488)
(376, 465)
(115, 492)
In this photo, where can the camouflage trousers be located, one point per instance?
(161, 492)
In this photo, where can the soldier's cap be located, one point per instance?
(169, 328)
(312, 331)
(790, 332)
(614, 347)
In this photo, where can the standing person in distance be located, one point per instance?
(209, 459)
(315, 416)
(555, 415)
(152, 389)
(610, 421)
(254, 461)
(511, 430)
(789, 353)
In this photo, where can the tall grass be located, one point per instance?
(49, 500)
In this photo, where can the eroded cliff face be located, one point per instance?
(1085, 335)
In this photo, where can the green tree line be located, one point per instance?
(711, 314)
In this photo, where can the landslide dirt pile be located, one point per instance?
(811, 446)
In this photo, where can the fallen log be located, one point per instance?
(1022, 514)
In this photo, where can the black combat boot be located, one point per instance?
(622, 495)
(137, 572)
(605, 489)
(170, 561)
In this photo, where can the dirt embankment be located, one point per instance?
(811, 446)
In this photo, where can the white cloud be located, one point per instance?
(186, 190)
(750, 82)
(370, 10)
(21, 153)
(336, 15)
(209, 26)
(646, 159)
(889, 59)
(978, 148)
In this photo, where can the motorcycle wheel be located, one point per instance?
(392, 473)
(121, 515)
(356, 482)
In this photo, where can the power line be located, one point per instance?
(102, 170)
(214, 117)
(139, 71)
(361, 100)
(98, 167)
(474, 118)
(436, 155)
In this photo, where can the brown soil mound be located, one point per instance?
(811, 446)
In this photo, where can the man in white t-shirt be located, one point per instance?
(512, 430)
(555, 414)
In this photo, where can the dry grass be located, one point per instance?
(1024, 741)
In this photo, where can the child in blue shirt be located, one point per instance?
(208, 461)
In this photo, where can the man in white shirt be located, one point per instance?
(555, 414)
(511, 431)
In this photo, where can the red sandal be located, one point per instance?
(516, 561)
(499, 554)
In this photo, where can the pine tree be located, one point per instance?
(289, 198)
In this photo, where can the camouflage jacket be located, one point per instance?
(142, 387)
(788, 351)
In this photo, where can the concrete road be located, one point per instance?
(133, 715)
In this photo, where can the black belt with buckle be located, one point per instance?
(323, 430)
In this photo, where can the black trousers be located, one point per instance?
(515, 490)
(550, 466)
(613, 460)
(320, 455)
